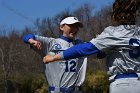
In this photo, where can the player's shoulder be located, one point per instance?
(108, 30)
(51, 38)
(44, 38)
(54, 40)
(113, 29)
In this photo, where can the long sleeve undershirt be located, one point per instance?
(79, 50)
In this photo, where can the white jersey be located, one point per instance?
(122, 46)
(66, 73)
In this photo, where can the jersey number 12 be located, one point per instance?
(70, 66)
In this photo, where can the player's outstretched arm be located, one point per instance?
(49, 58)
(76, 51)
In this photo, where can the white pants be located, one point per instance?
(125, 85)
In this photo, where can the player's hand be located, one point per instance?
(48, 58)
(36, 44)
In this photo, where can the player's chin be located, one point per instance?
(72, 35)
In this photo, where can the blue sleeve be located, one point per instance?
(27, 37)
(80, 50)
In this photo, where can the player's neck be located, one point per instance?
(66, 38)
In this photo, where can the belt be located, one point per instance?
(61, 89)
(126, 75)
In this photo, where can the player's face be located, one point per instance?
(70, 31)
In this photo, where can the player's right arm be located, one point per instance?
(30, 39)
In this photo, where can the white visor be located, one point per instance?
(71, 20)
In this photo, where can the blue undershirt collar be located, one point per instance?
(66, 39)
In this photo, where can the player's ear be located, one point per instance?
(61, 27)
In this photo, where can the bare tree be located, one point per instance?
(84, 13)
(46, 27)
(6, 57)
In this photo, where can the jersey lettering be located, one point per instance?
(135, 53)
(57, 46)
(70, 66)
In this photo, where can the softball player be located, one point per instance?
(63, 76)
(121, 43)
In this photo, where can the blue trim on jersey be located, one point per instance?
(80, 50)
(126, 75)
(66, 39)
(62, 89)
(27, 37)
